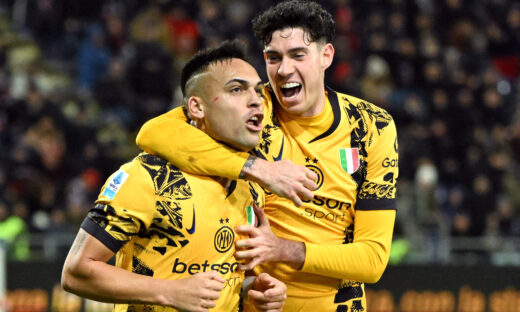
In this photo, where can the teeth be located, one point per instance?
(290, 85)
(254, 118)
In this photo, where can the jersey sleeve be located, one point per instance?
(378, 190)
(364, 259)
(124, 208)
(171, 137)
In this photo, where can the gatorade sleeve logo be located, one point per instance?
(115, 184)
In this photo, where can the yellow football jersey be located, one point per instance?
(168, 224)
(352, 147)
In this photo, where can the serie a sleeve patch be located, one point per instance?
(115, 183)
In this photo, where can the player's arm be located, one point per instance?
(263, 246)
(171, 137)
(365, 259)
(119, 214)
(87, 274)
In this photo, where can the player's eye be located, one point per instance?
(272, 58)
(236, 89)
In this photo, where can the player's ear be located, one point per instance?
(195, 107)
(327, 55)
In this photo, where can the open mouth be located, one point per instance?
(290, 89)
(255, 122)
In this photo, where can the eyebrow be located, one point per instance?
(293, 50)
(243, 82)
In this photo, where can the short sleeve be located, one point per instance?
(124, 208)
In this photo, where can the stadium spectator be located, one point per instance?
(14, 233)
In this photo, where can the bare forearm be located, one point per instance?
(103, 282)
(252, 169)
(292, 252)
(87, 274)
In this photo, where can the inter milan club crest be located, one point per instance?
(224, 238)
(312, 164)
(349, 159)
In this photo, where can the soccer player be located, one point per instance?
(329, 247)
(173, 232)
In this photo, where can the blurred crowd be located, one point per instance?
(79, 78)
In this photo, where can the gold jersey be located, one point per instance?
(352, 147)
(168, 224)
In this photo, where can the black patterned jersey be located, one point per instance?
(352, 147)
(168, 224)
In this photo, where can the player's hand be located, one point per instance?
(291, 181)
(267, 294)
(263, 246)
(283, 178)
(197, 293)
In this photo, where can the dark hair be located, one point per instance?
(310, 16)
(204, 58)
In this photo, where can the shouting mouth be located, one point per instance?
(291, 89)
(255, 122)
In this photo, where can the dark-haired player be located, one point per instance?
(173, 232)
(326, 249)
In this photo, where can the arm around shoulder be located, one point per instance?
(171, 137)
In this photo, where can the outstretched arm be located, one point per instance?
(87, 274)
(171, 137)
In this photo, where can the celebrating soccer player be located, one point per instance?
(328, 245)
(173, 233)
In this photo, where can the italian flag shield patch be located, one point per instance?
(251, 217)
(349, 159)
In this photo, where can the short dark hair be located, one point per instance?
(310, 16)
(200, 62)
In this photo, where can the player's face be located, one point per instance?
(296, 70)
(233, 105)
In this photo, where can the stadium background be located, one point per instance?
(78, 79)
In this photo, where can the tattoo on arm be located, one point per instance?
(78, 243)
(248, 165)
